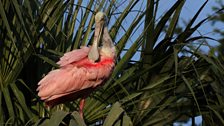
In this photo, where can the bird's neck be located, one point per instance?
(107, 41)
(108, 48)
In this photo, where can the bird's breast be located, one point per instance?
(90, 64)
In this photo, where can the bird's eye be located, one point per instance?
(103, 18)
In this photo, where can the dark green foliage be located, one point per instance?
(161, 78)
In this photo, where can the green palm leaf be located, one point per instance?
(157, 73)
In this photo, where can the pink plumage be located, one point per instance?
(77, 77)
(82, 70)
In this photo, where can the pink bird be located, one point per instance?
(81, 71)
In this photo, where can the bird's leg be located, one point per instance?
(81, 106)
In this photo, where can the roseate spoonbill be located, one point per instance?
(81, 70)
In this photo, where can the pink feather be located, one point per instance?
(77, 77)
(73, 56)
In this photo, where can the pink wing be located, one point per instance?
(70, 80)
(73, 56)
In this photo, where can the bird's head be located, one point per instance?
(101, 33)
(100, 21)
(101, 18)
